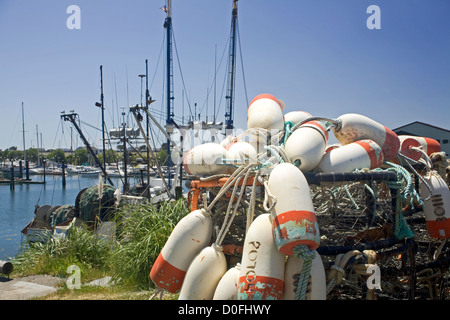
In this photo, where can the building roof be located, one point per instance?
(421, 123)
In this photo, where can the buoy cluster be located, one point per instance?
(279, 258)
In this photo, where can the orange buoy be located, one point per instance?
(188, 238)
(354, 127)
(205, 160)
(262, 265)
(318, 286)
(203, 274)
(437, 208)
(228, 285)
(307, 144)
(295, 222)
(266, 112)
(428, 145)
(356, 155)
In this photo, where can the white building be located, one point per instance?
(421, 129)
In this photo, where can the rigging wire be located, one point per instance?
(215, 74)
(242, 61)
(181, 72)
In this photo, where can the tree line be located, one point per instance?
(80, 156)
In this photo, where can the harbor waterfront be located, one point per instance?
(18, 205)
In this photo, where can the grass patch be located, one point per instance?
(141, 232)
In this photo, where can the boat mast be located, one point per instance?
(147, 98)
(23, 135)
(103, 116)
(169, 75)
(231, 70)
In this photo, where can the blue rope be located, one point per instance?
(303, 252)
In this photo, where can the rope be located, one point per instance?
(329, 123)
(303, 252)
(336, 275)
(251, 209)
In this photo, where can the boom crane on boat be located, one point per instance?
(71, 117)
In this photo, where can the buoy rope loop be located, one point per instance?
(217, 247)
(407, 161)
(268, 195)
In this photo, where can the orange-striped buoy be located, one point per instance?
(265, 111)
(262, 265)
(295, 222)
(428, 145)
(437, 208)
(354, 127)
(356, 155)
(188, 238)
(306, 145)
(203, 274)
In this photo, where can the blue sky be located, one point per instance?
(315, 55)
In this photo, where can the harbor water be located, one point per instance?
(17, 205)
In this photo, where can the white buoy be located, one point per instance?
(437, 208)
(240, 153)
(295, 222)
(228, 285)
(265, 112)
(330, 147)
(228, 141)
(354, 127)
(307, 144)
(203, 274)
(296, 116)
(188, 238)
(206, 159)
(356, 155)
(262, 265)
(317, 289)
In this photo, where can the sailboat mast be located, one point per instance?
(23, 134)
(231, 70)
(103, 116)
(169, 75)
(147, 98)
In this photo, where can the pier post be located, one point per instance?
(27, 169)
(43, 165)
(20, 169)
(63, 165)
(12, 177)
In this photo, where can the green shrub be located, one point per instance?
(142, 232)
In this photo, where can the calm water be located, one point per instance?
(17, 206)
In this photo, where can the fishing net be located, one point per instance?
(62, 214)
(92, 204)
